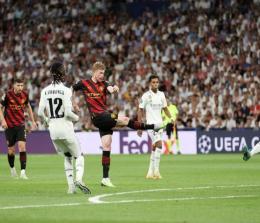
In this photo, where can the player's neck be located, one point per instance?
(154, 90)
(16, 92)
(94, 79)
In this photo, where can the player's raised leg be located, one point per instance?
(136, 125)
(248, 153)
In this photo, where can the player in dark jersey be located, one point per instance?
(95, 91)
(12, 109)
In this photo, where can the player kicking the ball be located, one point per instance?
(95, 90)
(56, 102)
(152, 102)
(248, 153)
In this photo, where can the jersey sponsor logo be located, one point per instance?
(17, 107)
(101, 88)
(93, 95)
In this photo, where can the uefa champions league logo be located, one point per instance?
(204, 144)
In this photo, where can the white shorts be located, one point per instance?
(70, 145)
(155, 135)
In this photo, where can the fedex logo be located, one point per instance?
(131, 143)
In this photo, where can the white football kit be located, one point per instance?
(153, 103)
(56, 101)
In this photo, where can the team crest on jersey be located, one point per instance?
(101, 88)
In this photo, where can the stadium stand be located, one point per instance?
(206, 52)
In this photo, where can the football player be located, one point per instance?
(56, 110)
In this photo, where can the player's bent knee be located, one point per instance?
(11, 151)
(122, 120)
(158, 144)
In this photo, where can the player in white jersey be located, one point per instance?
(152, 103)
(56, 110)
(248, 153)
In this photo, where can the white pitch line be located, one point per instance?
(182, 199)
(40, 206)
(97, 199)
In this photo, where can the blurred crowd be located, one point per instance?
(206, 53)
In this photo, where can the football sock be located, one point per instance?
(157, 157)
(11, 158)
(68, 167)
(23, 160)
(79, 168)
(151, 165)
(168, 146)
(255, 150)
(106, 163)
(139, 125)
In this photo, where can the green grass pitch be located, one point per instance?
(199, 188)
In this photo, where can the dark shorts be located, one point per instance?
(14, 135)
(105, 122)
(169, 130)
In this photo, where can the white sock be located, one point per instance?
(68, 166)
(79, 168)
(255, 150)
(157, 158)
(151, 165)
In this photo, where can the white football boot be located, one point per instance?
(13, 172)
(106, 182)
(23, 175)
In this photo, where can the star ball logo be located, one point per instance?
(204, 144)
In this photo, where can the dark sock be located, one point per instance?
(106, 163)
(11, 158)
(23, 160)
(139, 125)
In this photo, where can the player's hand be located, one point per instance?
(4, 124)
(139, 133)
(76, 108)
(34, 126)
(115, 88)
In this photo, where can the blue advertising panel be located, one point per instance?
(222, 141)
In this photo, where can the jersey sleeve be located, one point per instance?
(68, 106)
(78, 86)
(26, 98)
(4, 100)
(164, 102)
(107, 84)
(143, 102)
(42, 106)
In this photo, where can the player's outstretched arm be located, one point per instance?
(113, 89)
(41, 110)
(68, 108)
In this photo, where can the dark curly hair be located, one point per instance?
(58, 72)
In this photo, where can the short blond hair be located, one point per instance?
(98, 66)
